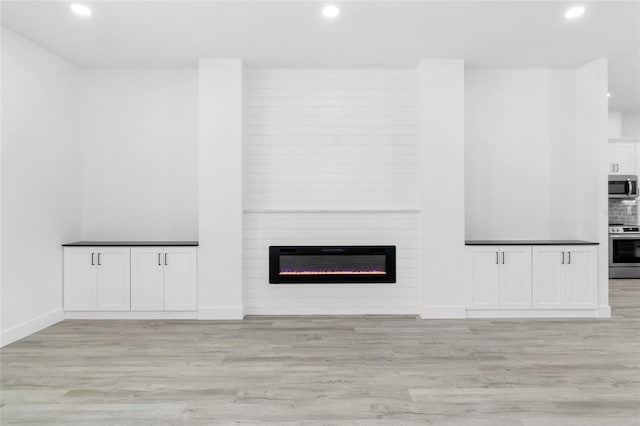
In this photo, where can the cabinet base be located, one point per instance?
(534, 313)
(107, 315)
(604, 311)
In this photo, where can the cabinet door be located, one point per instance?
(549, 277)
(581, 289)
(625, 158)
(612, 159)
(180, 284)
(114, 277)
(146, 279)
(483, 277)
(515, 277)
(80, 279)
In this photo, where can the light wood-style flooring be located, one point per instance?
(338, 370)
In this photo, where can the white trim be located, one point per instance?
(220, 313)
(532, 313)
(604, 311)
(29, 327)
(371, 210)
(117, 315)
(330, 310)
(625, 140)
(443, 311)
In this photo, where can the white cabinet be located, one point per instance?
(499, 277)
(147, 279)
(564, 277)
(96, 278)
(582, 282)
(163, 279)
(80, 279)
(113, 278)
(622, 159)
(549, 276)
(483, 277)
(535, 278)
(180, 284)
(515, 277)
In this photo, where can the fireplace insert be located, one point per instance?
(332, 264)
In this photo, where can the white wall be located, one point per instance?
(40, 182)
(139, 154)
(563, 152)
(615, 124)
(330, 159)
(323, 139)
(520, 154)
(631, 125)
(220, 131)
(592, 167)
(624, 125)
(441, 88)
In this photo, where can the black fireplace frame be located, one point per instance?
(276, 251)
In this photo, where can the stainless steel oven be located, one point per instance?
(624, 252)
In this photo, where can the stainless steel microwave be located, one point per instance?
(623, 186)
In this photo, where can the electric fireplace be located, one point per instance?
(332, 264)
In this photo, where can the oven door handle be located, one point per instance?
(629, 236)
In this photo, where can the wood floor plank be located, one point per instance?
(331, 370)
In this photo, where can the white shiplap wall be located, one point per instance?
(330, 159)
(330, 139)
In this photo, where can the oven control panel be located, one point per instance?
(623, 229)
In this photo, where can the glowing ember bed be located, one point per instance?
(332, 264)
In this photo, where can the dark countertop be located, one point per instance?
(529, 243)
(130, 243)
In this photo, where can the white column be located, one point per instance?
(441, 187)
(593, 155)
(220, 189)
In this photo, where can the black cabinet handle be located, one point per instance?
(92, 263)
(569, 257)
(99, 259)
(165, 259)
(563, 258)
(159, 261)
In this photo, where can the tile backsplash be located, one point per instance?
(623, 211)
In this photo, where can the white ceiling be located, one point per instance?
(517, 34)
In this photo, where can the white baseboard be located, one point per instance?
(329, 310)
(127, 315)
(220, 313)
(443, 312)
(29, 327)
(532, 313)
(604, 311)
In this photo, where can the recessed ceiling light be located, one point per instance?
(330, 11)
(80, 9)
(608, 95)
(574, 12)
